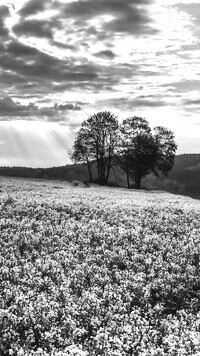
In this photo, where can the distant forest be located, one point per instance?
(184, 178)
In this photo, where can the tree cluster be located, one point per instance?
(132, 146)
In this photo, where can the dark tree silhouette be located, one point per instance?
(96, 142)
(81, 151)
(164, 139)
(141, 151)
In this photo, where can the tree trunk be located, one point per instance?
(37, 337)
(98, 170)
(102, 180)
(108, 169)
(128, 180)
(138, 183)
(89, 170)
(137, 176)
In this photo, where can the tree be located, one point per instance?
(164, 139)
(142, 152)
(137, 149)
(96, 142)
(80, 149)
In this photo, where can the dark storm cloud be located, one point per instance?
(39, 68)
(26, 69)
(19, 50)
(90, 8)
(129, 16)
(4, 13)
(9, 109)
(36, 28)
(33, 7)
(32, 63)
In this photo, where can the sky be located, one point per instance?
(63, 60)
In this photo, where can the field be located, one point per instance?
(97, 271)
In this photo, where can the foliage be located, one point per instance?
(97, 271)
(142, 152)
(96, 141)
(138, 151)
(164, 139)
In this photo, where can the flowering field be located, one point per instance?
(97, 271)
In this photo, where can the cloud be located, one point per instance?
(90, 8)
(195, 102)
(38, 70)
(31, 62)
(192, 8)
(127, 103)
(27, 69)
(33, 27)
(107, 54)
(10, 109)
(183, 85)
(67, 106)
(4, 13)
(127, 16)
(191, 106)
(32, 7)
(63, 45)
(146, 102)
(31, 68)
(19, 50)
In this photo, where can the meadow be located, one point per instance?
(97, 271)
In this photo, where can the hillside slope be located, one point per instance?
(183, 179)
(97, 271)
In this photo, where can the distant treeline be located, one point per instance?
(183, 179)
(67, 173)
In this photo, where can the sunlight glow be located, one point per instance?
(150, 69)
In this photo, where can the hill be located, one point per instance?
(183, 179)
(93, 271)
(68, 172)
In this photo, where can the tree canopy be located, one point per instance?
(96, 141)
(138, 151)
